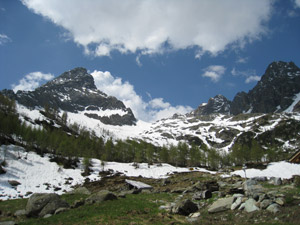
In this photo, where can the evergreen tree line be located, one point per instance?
(78, 142)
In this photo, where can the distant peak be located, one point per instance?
(75, 78)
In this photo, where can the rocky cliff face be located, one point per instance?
(75, 91)
(218, 104)
(275, 92)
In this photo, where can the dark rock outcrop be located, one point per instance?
(75, 91)
(40, 204)
(218, 104)
(275, 92)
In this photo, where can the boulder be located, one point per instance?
(250, 205)
(276, 181)
(274, 208)
(100, 196)
(220, 205)
(237, 203)
(14, 183)
(251, 188)
(202, 195)
(8, 223)
(265, 203)
(19, 213)
(80, 190)
(40, 204)
(185, 207)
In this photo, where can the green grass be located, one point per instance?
(134, 209)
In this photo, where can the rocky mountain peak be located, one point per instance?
(75, 91)
(76, 78)
(218, 104)
(275, 92)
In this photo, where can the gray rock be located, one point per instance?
(220, 205)
(78, 203)
(185, 207)
(80, 190)
(21, 212)
(14, 183)
(60, 210)
(242, 206)
(236, 204)
(202, 195)
(100, 196)
(276, 181)
(193, 217)
(8, 223)
(274, 208)
(251, 188)
(280, 201)
(250, 205)
(47, 216)
(265, 203)
(40, 204)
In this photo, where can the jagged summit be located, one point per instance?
(218, 104)
(75, 91)
(275, 92)
(75, 78)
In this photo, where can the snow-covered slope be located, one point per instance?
(38, 174)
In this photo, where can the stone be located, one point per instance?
(193, 217)
(8, 223)
(220, 205)
(202, 195)
(280, 201)
(276, 181)
(101, 196)
(236, 204)
(265, 203)
(19, 213)
(14, 183)
(60, 210)
(274, 208)
(47, 216)
(250, 205)
(251, 188)
(242, 206)
(80, 190)
(137, 185)
(185, 207)
(78, 203)
(40, 204)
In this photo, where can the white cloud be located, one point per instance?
(214, 72)
(147, 25)
(150, 111)
(252, 79)
(249, 74)
(4, 39)
(297, 2)
(31, 81)
(242, 60)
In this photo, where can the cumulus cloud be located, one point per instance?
(214, 72)
(31, 81)
(150, 111)
(250, 75)
(4, 39)
(252, 79)
(148, 26)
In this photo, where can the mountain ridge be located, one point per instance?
(75, 91)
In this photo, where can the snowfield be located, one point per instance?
(281, 169)
(38, 174)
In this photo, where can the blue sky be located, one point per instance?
(159, 57)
